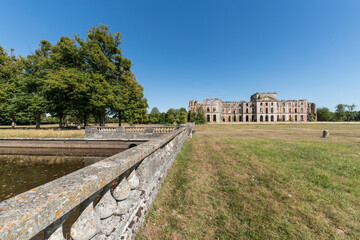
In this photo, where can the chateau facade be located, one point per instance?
(263, 107)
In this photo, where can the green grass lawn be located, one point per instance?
(261, 182)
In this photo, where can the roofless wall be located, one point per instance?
(262, 107)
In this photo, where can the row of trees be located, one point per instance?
(74, 77)
(179, 116)
(342, 113)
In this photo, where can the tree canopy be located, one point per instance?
(324, 114)
(75, 77)
(343, 112)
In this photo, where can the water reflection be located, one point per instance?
(19, 174)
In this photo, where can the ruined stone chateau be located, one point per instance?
(263, 107)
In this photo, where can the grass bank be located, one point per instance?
(261, 182)
(42, 133)
(52, 131)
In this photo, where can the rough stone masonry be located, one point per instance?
(113, 194)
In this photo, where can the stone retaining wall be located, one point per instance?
(125, 184)
(124, 133)
(64, 146)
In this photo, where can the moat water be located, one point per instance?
(19, 174)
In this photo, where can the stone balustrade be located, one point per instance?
(125, 133)
(113, 194)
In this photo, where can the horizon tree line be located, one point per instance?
(343, 112)
(176, 116)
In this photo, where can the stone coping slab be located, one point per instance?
(68, 139)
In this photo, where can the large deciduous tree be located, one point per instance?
(103, 56)
(340, 114)
(10, 105)
(154, 116)
(35, 69)
(350, 112)
(324, 114)
(183, 116)
(200, 116)
(73, 77)
(172, 116)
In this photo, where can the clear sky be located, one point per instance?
(184, 49)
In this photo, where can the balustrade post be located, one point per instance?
(88, 223)
(107, 204)
(105, 208)
(122, 190)
(55, 230)
(121, 193)
(133, 180)
(149, 130)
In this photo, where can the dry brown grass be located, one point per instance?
(52, 131)
(261, 182)
(41, 133)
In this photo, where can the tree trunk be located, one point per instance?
(102, 118)
(78, 123)
(38, 114)
(67, 120)
(13, 124)
(60, 121)
(120, 119)
(85, 120)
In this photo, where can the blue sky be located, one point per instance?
(184, 49)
